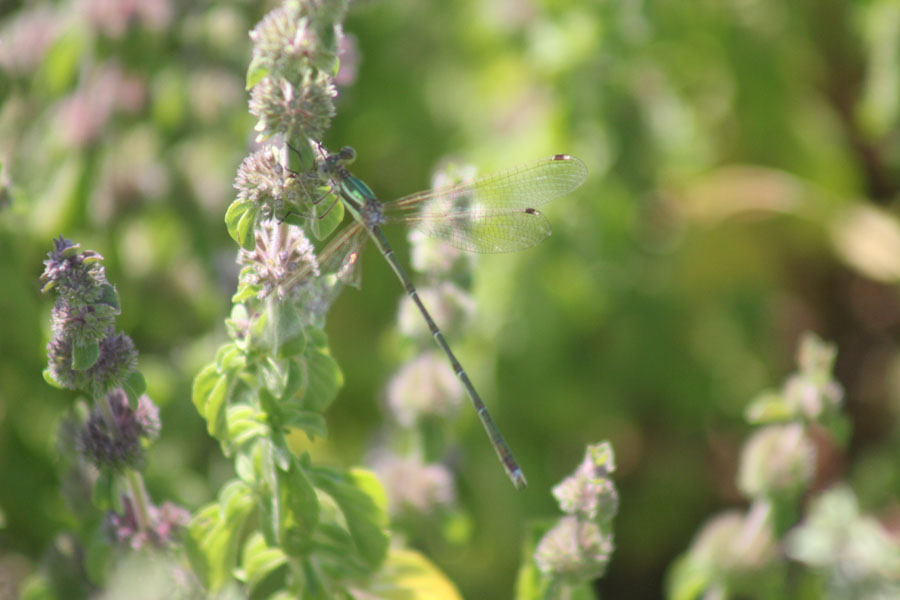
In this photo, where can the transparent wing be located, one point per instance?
(494, 213)
(504, 232)
(525, 186)
(338, 265)
(340, 258)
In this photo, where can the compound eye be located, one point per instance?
(347, 155)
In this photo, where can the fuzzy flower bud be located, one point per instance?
(281, 251)
(297, 111)
(574, 551)
(299, 36)
(74, 275)
(589, 491)
(111, 439)
(426, 386)
(116, 360)
(263, 180)
(165, 522)
(856, 555)
(580, 545)
(83, 352)
(732, 543)
(413, 485)
(813, 391)
(778, 459)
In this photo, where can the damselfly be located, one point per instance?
(493, 213)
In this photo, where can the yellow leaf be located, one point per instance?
(407, 575)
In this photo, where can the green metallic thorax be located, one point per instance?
(360, 200)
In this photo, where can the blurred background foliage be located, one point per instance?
(745, 170)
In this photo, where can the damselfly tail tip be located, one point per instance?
(518, 479)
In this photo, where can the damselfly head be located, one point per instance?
(346, 155)
(334, 164)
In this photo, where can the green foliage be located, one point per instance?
(240, 219)
(742, 189)
(85, 354)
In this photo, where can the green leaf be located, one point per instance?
(245, 469)
(239, 220)
(317, 338)
(408, 575)
(296, 219)
(281, 453)
(213, 535)
(236, 325)
(257, 331)
(264, 463)
(245, 228)
(531, 583)
(769, 407)
(324, 380)
(48, 377)
(60, 66)
(329, 213)
(98, 556)
(300, 505)
(108, 296)
(202, 387)
(215, 414)
(268, 519)
(312, 578)
(245, 423)
(85, 354)
(365, 519)
(245, 291)
(284, 328)
(135, 386)
(235, 499)
(296, 378)
(687, 579)
(312, 423)
(199, 531)
(259, 560)
(301, 158)
(255, 72)
(229, 358)
(369, 483)
(105, 492)
(37, 586)
(274, 375)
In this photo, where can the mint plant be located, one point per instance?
(103, 440)
(310, 530)
(784, 544)
(570, 553)
(284, 526)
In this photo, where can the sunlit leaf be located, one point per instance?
(214, 533)
(408, 575)
(324, 380)
(256, 72)
(259, 560)
(365, 519)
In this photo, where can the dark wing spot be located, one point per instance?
(531, 211)
(561, 157)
